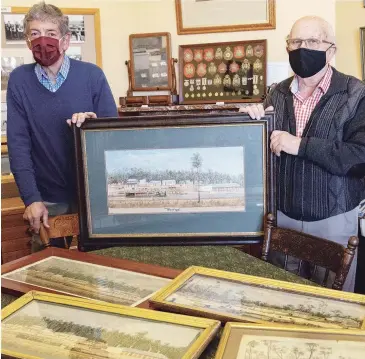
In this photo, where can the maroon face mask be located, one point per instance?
(46, 50)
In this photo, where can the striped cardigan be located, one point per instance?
(326, 178)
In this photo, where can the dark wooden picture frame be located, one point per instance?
(17, 288)
(132, 224)
(223, 72)
(166, 69)
(362, 50)
(183, 29)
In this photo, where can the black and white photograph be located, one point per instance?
(77, 28)
(74, 53)
(14, 29)
(8, 64)
(154, 181)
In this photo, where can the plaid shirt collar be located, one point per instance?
(323, 85)
(60, 78)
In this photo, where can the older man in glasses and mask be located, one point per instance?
(43, 99)
(319, 141)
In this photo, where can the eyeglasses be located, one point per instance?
(312, 44)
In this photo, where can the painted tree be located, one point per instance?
(196, 163)
(312, 347)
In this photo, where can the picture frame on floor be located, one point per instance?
(240, 341)
(40, 325)
(134, 191)
(227, 296)
(85, 275)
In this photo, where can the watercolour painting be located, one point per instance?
(58, 327)
(87, 280)
(258, 300)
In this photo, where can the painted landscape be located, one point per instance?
(51, 331)
(259, 304)
(185, 180)
(89, 280)
(272, 347)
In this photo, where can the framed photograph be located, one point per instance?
(237, 297)
(40, 326)
(223, 72)
(14, 29)
(77, 28)
(248, 341)
(8, 64)
(84, 275)
(150, 56)
(205, 16)
(163, 180)
(362, 51)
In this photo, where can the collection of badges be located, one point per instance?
(223, 71)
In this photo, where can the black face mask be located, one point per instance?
(306, 63)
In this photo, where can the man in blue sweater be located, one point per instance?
(43, 99)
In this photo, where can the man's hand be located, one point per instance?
(255, 111)
(284, 141)
(34, 213)
(79, 118)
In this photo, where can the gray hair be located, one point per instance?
(47, 12)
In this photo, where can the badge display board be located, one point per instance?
(223, 72)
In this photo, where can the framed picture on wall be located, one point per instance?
(206, 16)
(165, 180)
(150, 61)
(223, 72)
(362, 51)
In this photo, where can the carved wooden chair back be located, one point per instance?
(66, 225)
(308, 249)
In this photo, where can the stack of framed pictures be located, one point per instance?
(223, 72)
(41, 326)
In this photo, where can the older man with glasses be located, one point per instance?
(319, 141)
(42, 98)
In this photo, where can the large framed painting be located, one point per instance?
(166, 180)
(84, 275)
(223, 72)
(40, 326)
(238, 297)
(248, 341)
(206, 16)
(150, 62)
(362, 51)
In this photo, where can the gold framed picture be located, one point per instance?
(230, 296)
(250, 341)
(41, 326)
(207, 16)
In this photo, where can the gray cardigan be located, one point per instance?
(327, 176)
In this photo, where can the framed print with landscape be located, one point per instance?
(85, 275)
(43, 325)
(204, 16)
(223, 72)
(150, 61)
(166, 180)
(230, 296)
(249, 341)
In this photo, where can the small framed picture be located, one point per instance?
(248, 341)
(41, 326)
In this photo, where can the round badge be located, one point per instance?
(239, 52)
(198, 55)
(228, 55)
(201, 70)
(249, 51)
(186, 83)
(189, 71)
(208, 54)
(256, 91)
(188, 55)
(258, 50)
